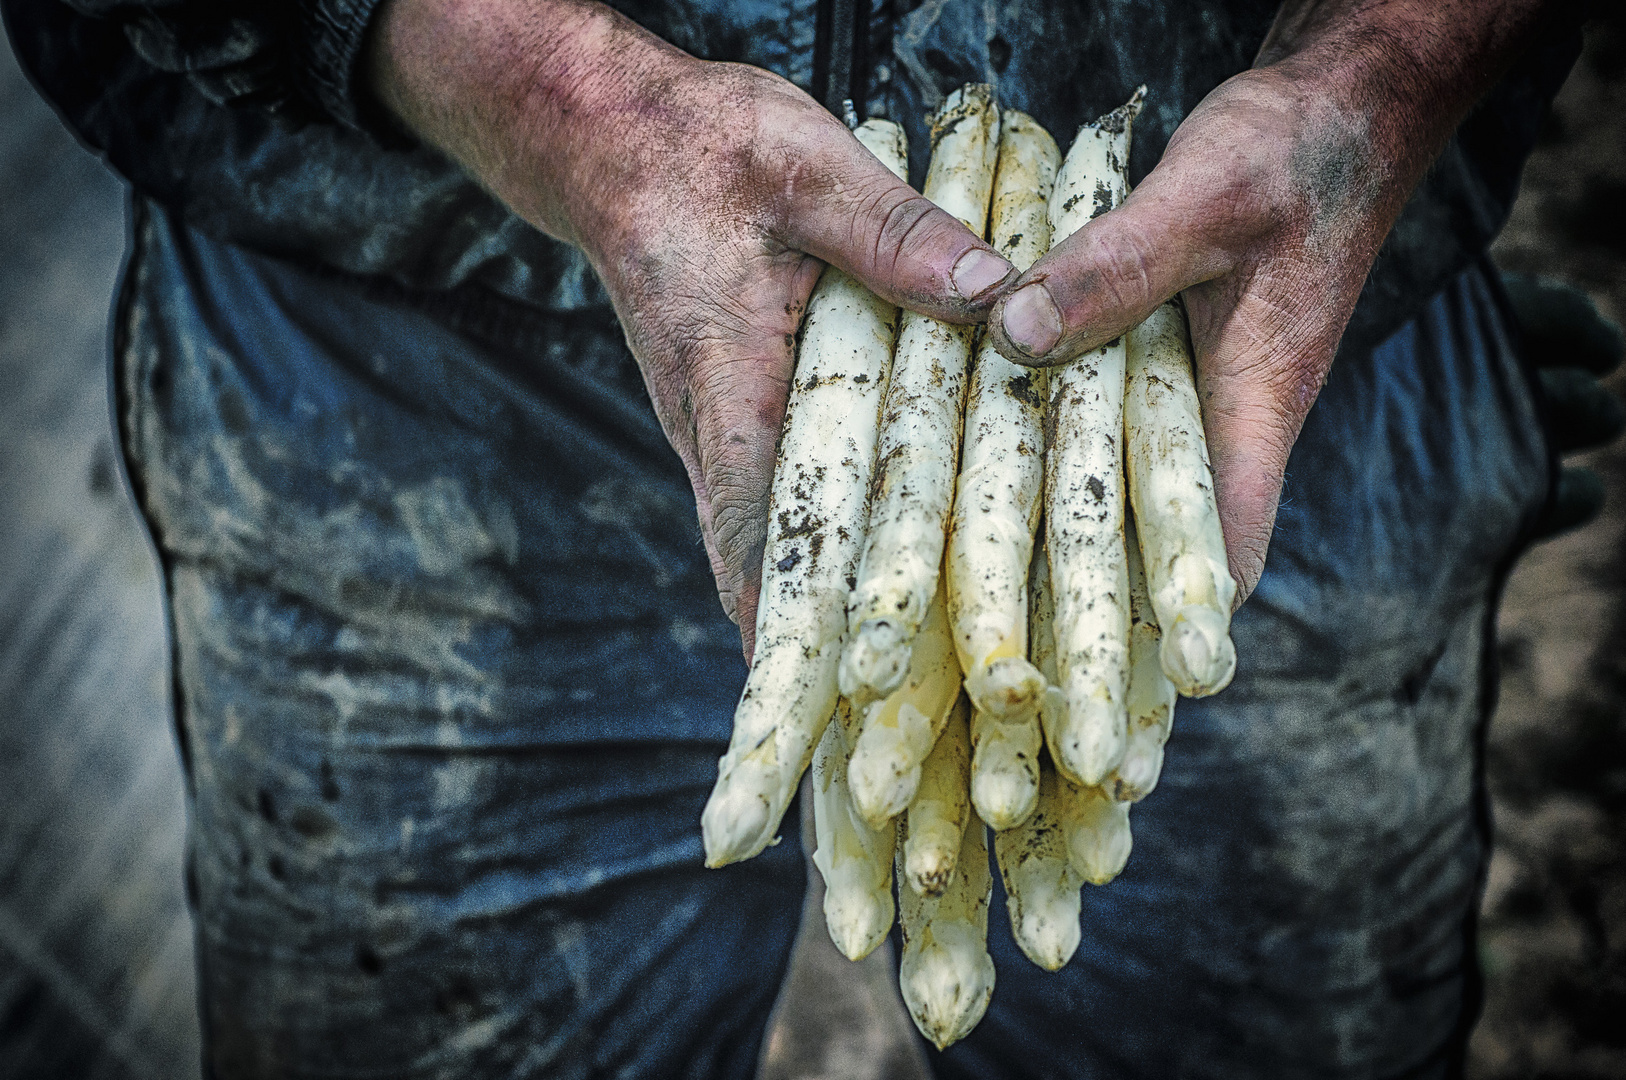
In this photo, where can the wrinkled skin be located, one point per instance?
(1266, 211)
(706, 196)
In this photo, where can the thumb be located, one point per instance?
(1107, 278)
(855, 213)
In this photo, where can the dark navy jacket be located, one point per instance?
(247, 117)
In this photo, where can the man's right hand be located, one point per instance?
(706, 195)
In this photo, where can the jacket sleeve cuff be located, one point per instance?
(335, 32)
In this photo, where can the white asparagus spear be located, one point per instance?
(945, 973)
(1084, 504)
(1041, 886)
(900, 730)
(1042, 645)
(920, 432)
(1095, 828)
(1171, 487)
(940, 809)
(854, 859)
(1151, 695)
(1005, 767)
(996, 505)
(996, 502)
(819, 505)
(1097, 831)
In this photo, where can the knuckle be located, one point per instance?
(907, 225)
(1123, 272)
(740, 526)
(799, 182)
(880, 221)
(1248, 560)
(737, 454)
(816, 163)
(738, 394)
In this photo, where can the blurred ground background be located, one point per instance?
(95, 956)
(95, 944)
(1553, 931)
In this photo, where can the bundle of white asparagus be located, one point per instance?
(978, 677)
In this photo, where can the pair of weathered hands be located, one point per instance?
(709, 195)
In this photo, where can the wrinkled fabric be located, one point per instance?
(1066, 63)
(451, 675)
(299, 58)
(452, 682)
(360, 201)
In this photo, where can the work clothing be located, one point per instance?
(247, 117)
(452, 677)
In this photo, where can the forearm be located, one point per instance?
(507, 90)
(1409, 70)
(706, 196)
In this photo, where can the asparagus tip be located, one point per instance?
(1197, 654)
(875, 662)
(1100, 849)
(738, 821)
(1137, 775)
(1096, 735)
(858, 921)
(880, 789)
(947, 986)
(1006, 689)
(1004, 797)
(1048, 929)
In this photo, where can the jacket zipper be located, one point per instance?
(840, 56)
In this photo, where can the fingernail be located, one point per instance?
(978, 271)
(1031, 320)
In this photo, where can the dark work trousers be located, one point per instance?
(452, 680)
